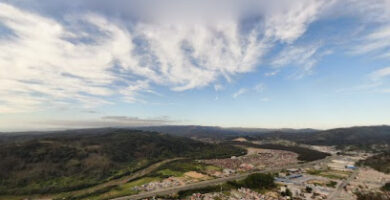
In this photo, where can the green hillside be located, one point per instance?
(380, 162)
(367, 138)
(72, 160)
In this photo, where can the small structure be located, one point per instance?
(227, 171)
(246, 166)
(283, 189)
(352, 167)
(293, 176)
(293, 170)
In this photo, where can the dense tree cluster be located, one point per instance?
(258, 181)
(373, 196)
(386, 187)
(380, 162)
(372, 138)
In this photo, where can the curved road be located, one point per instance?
(124, 179)
(217, 181)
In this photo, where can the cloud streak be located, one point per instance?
(105, 121)
(89, 58)
(380, 74)
(55, 58)
(240, 92)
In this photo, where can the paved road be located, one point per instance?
(217, 181)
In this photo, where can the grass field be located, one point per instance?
(332, 174)
(178, 168)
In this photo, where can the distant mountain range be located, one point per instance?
(362, 135)
(218, 132)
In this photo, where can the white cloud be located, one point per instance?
(372, 40)
(379, 80)
(218, 87)
(272, 73)
(288, 20)
(380, 74)
(105, 121)
(377, 41)
(82, 60)
(132, 92)
(240, 92)
(37, 63)
(376, 82)
(303, 57)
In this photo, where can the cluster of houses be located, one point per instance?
(303, 186)
(155, 185)
(239, 194)
(259, 160)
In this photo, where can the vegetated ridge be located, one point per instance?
(69, 160)
(380, 162)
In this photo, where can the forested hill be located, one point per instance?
(380, 162)
(69, 160)
(357, 136)
(361, 137)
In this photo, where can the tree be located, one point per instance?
(309, 189)
(386, 187)
(259, 181)
(287, 193)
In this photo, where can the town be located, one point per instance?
(334, 177)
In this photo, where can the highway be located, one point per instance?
(217, 181)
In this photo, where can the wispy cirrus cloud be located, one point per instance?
(374, 42)
(104, 121)
(376, 81)
(84, 58)
(380, 74)
(377, 41)
(380, 80)
(62, 53)
(303, 57)
(240, 92)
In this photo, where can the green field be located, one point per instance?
(178, 168)
(332, 174)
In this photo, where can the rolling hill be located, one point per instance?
(360, 137)
(69, 160)
(218, 133)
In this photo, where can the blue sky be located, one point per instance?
(250, 63)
